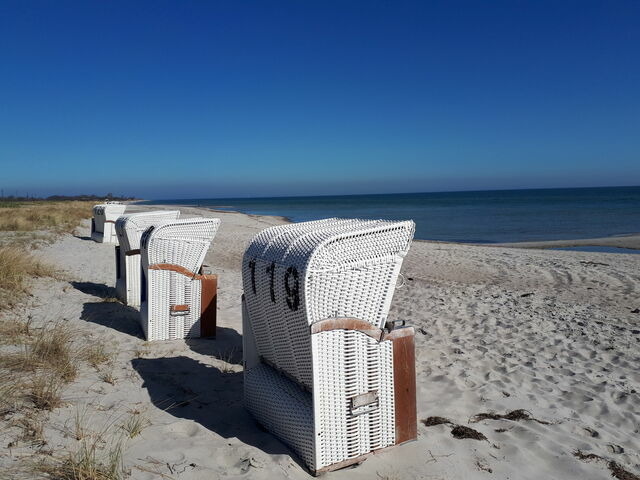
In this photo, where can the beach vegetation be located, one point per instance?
(60, 217)
(88, 462)
(95, 355)
(17, 267)
(134, 424)
(108, 377)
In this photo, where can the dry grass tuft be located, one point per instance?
(52, 349)
(80, 430)
(32, 428)
(16, 263)
(56, 216)
(134, 425)
(36, 367)
(44, 391)
(17, 266)
(14, 330)
(10, 393)
(96, 355)
(108, 377)
(87, 463)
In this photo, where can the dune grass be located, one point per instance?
(33, 216)
(17, 264)
(35, 363)
(39, 357)
(37, 366)
(88, 462)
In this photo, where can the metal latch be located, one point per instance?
(205, 269)
(391, 325)
(364, 403)
(179, 310)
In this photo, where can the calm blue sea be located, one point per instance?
(481, 217)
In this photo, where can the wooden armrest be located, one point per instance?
(347, 324)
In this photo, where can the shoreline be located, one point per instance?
(627, 241)
(631, 242)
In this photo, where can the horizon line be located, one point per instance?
(391, 193)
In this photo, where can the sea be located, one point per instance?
(495, 216)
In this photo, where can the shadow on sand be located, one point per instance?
(82, 237)
(192, 390)
(109, 313)
(227, 345)
(96, 289)
(113, 315)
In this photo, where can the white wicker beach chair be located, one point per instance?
(129, 229)
(178, 300)
(103, 222)
(321, 372)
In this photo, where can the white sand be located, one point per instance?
(497, 329)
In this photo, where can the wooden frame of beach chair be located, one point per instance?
(321, 372)
(178, 300)
(129, 229)
(103, 223)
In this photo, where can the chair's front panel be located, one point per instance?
(353, 395)
(174, 306)
(159, 291)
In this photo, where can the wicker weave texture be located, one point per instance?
(183, 244)
(103, 222)
(129, 229)
(346, 364)
(294, 276)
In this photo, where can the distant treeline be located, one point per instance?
(64, 198)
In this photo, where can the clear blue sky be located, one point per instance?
(189, 99)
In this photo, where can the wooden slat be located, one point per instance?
(347, 324)
(404, 383)
(179, 308)
(174, 268)
(209, 305)
(135, 251)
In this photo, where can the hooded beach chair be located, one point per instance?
(129, 229)
(321, 372)
(178, 300)
(103, 223)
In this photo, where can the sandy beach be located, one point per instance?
(554, 333)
